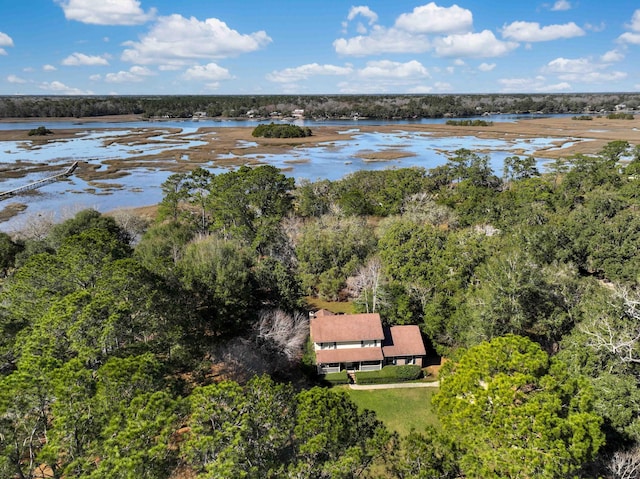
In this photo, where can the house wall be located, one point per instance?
(371, 366)
(325, 369)
(402, 360)
(348, 345)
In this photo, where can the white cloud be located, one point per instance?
(459, 62)
(5, 41)
(382, 40)
(582, 70)
(486, 67)
(389, 69)
(629, 37)
(633, 36)
(478, 45)
(519, 84)
(80, 59)
(106, 12)
(568, 65)
(134, 74)
(365, 12)
(420, 89)
(386, 76)
(443, 86)
(595, 28)
(635, 21)
(303, 72)
(526, 85)
(409, 33)
(179, 40)
(563, 86)
(49, 68)
(59, 88)
(595, 77)
(532, 32)
(431, 18)
(209, 72)
(561, 5)
(15, 79)
(612, 56)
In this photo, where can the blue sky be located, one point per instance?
(132, 47)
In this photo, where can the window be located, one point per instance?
(328, 345)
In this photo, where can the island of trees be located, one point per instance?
(177, 348)
(273, 130)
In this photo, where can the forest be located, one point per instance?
(177, 348)
(316, 107)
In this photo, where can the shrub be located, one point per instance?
(469, 122)
(408, 372)
(336, 378)
(582, 117)
(40, 131)
(620, 116)
(389, 374)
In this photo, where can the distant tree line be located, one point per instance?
(317, 107)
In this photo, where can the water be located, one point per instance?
(141, 185)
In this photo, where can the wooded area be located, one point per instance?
(317, 107)
(177, 348)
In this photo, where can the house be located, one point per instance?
(298, 114)
(358, 342)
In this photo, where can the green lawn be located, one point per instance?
(399, 409)
(335, 307)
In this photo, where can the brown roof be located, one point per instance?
(348, 355)
(346, 327)
(404, 341)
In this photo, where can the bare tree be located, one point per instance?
(625, 464)
(287, 333)
(616, 335)
(422, 208)
(133, 224)
(366, 284)
(36, 226)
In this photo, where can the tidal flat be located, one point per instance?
(122, 164)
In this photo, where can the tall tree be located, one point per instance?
(515, 413)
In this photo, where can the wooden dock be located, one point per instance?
(37, 184)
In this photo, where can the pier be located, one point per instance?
(37, 184)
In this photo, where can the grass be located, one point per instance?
(400, 409)
(336, 307)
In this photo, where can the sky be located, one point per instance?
(239, 47)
